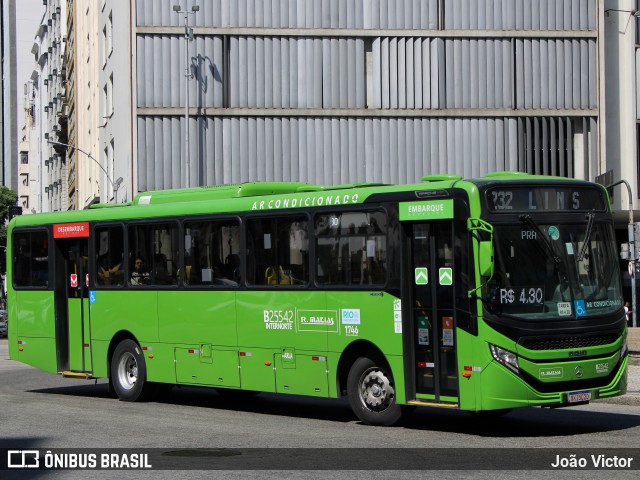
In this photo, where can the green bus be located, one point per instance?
(482, 295)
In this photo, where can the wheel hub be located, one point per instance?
(376, 391)
(128, 371)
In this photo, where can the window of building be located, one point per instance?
(104, 46)
(351, 248)
(111, 164)
(31, 259)
(109, 248)
(110, 95)
(212, 253)
(110, 34)
(105, 102)
(278, 251)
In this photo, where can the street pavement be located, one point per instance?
(633, 384)
(633, 371)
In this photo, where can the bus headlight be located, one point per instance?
(505, 357)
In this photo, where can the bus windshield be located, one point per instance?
(550, 270)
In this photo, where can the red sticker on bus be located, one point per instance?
(71, 230)
(73, 280)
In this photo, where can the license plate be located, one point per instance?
(582, 396)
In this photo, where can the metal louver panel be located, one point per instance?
(341, 149)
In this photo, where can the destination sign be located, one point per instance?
(514, 199)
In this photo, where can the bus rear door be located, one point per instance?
(73, 329)
(431, 296)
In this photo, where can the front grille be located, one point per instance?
(562, 343)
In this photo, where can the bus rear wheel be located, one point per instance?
(129, 372)
(371, 393)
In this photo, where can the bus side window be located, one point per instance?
(31, 259)
(109, 251)
(139, 251)
(351, 248)
(277, 251)
(210, 256)
(165, 254)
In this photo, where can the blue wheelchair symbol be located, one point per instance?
(92, 297)
(581, 308)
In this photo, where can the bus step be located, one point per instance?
(425, 403)
(79, 375)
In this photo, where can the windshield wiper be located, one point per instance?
(587, 236)
(530, 222)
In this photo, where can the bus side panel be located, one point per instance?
(470, 385)
(257, 370)
(99, 349)
(285, 324)
(36, 315)
(200, 365)
(131, 311)
(37, 352)
(33, 324)
(197, 317)
(307, 373)
(372, 316)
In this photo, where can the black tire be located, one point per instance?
(371, 393)
(129, 372)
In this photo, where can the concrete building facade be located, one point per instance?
(336, 91)
(19, 21)
(9, 94)
(45, 107)
(368, 90)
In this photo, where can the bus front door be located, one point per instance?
(433, 321)
(73, 329)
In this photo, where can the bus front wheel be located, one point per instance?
(128, 371)
(371, 393)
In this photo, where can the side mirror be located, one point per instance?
(485, 258)
(485, 250)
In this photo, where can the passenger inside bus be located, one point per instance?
(139, 274)
(160, 270)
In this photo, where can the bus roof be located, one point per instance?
(261, 196)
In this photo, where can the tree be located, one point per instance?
(8, 199)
